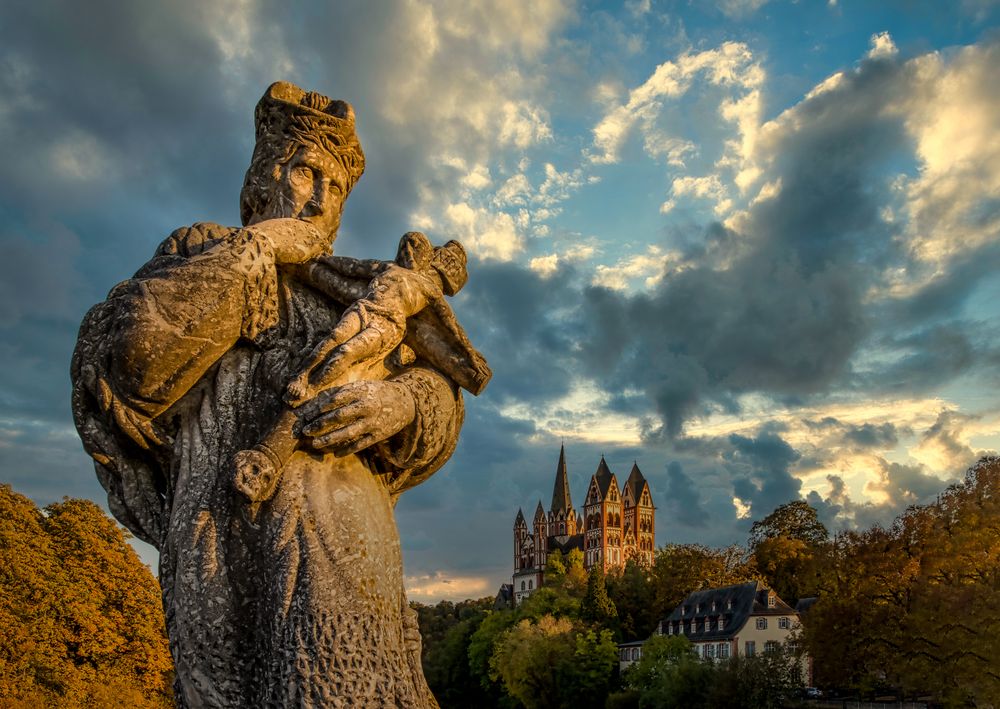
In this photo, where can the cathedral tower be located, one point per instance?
(639, 519)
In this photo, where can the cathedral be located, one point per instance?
(615, 526)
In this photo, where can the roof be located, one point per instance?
(747, 599)
(804, 604)
(566, 543)
(604, 477)
(520, 517)
(635, 483)
(539, 511)
(561, 501)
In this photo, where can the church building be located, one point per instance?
(616, 525)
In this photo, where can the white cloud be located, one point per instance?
(740, 8)
(635, 272)
(952, 110)
(440, 585)
(545, 266)
(478, 178)
(882, 46)
(488, 235)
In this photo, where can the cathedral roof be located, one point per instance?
(520, 517)
(539, 511)
(561, 501)
(604, 477)
(635, 482)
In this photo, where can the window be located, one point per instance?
(771, 600)
(697, 609)
(771, 646)
(522, 585)
(710, 651)
(670, 628)
(635, 654)
(529, 585)
(719, 623)
(751, 648)
(729, 605)
(783, 623)
(762, 624)
(723, 650)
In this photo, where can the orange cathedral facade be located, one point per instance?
(616, 525)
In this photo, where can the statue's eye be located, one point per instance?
(302, 173)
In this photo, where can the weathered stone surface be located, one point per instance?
(254, 407)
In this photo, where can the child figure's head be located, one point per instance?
(415, 251)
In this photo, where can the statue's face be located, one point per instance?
(311, 186)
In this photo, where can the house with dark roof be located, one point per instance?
(616, 525)
(745, 619)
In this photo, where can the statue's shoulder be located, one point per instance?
(192, 240)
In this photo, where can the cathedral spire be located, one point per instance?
(561, 500)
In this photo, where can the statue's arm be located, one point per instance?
(160, 331)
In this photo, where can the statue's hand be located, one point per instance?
(294, 240)
(352, 417)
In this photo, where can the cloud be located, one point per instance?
(730, 65)
(683, 499)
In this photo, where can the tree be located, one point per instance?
(670, 675)
(796, 520)
(632, 592)
(81, 615)
(789, 547)
(597, 607)
(769, 680)
(553, 663)
(680, 569)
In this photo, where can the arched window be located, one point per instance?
(529, 585)
(522, 585)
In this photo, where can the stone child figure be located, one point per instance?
(296, 600)
(372, 327)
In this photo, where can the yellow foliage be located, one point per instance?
(81, 615)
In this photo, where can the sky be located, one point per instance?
(751, 245)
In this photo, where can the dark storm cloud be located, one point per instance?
(524, 322)
(683, 500)
(760, 467)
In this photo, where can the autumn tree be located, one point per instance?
(788, 548)
(550, 663)
(81, 615)
(680, 569)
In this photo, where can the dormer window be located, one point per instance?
(729, 605)
(713, 606)
(697, 609)
(771, 600)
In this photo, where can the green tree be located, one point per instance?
(670, 675)
(81, 615)
(769, 680)
(633, 594)
(553, 663)
(597, 607)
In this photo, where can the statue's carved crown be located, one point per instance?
(288, 111)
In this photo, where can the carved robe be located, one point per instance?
(297, 601)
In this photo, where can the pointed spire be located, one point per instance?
(634, 483)
(519, 520)
(604, 477)
(540, 511)
(561, 501)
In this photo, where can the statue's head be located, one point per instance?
(306, 160)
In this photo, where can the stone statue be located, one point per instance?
(255, 406)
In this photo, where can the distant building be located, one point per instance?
(745, 619)
(504, 598)
(615, 526)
